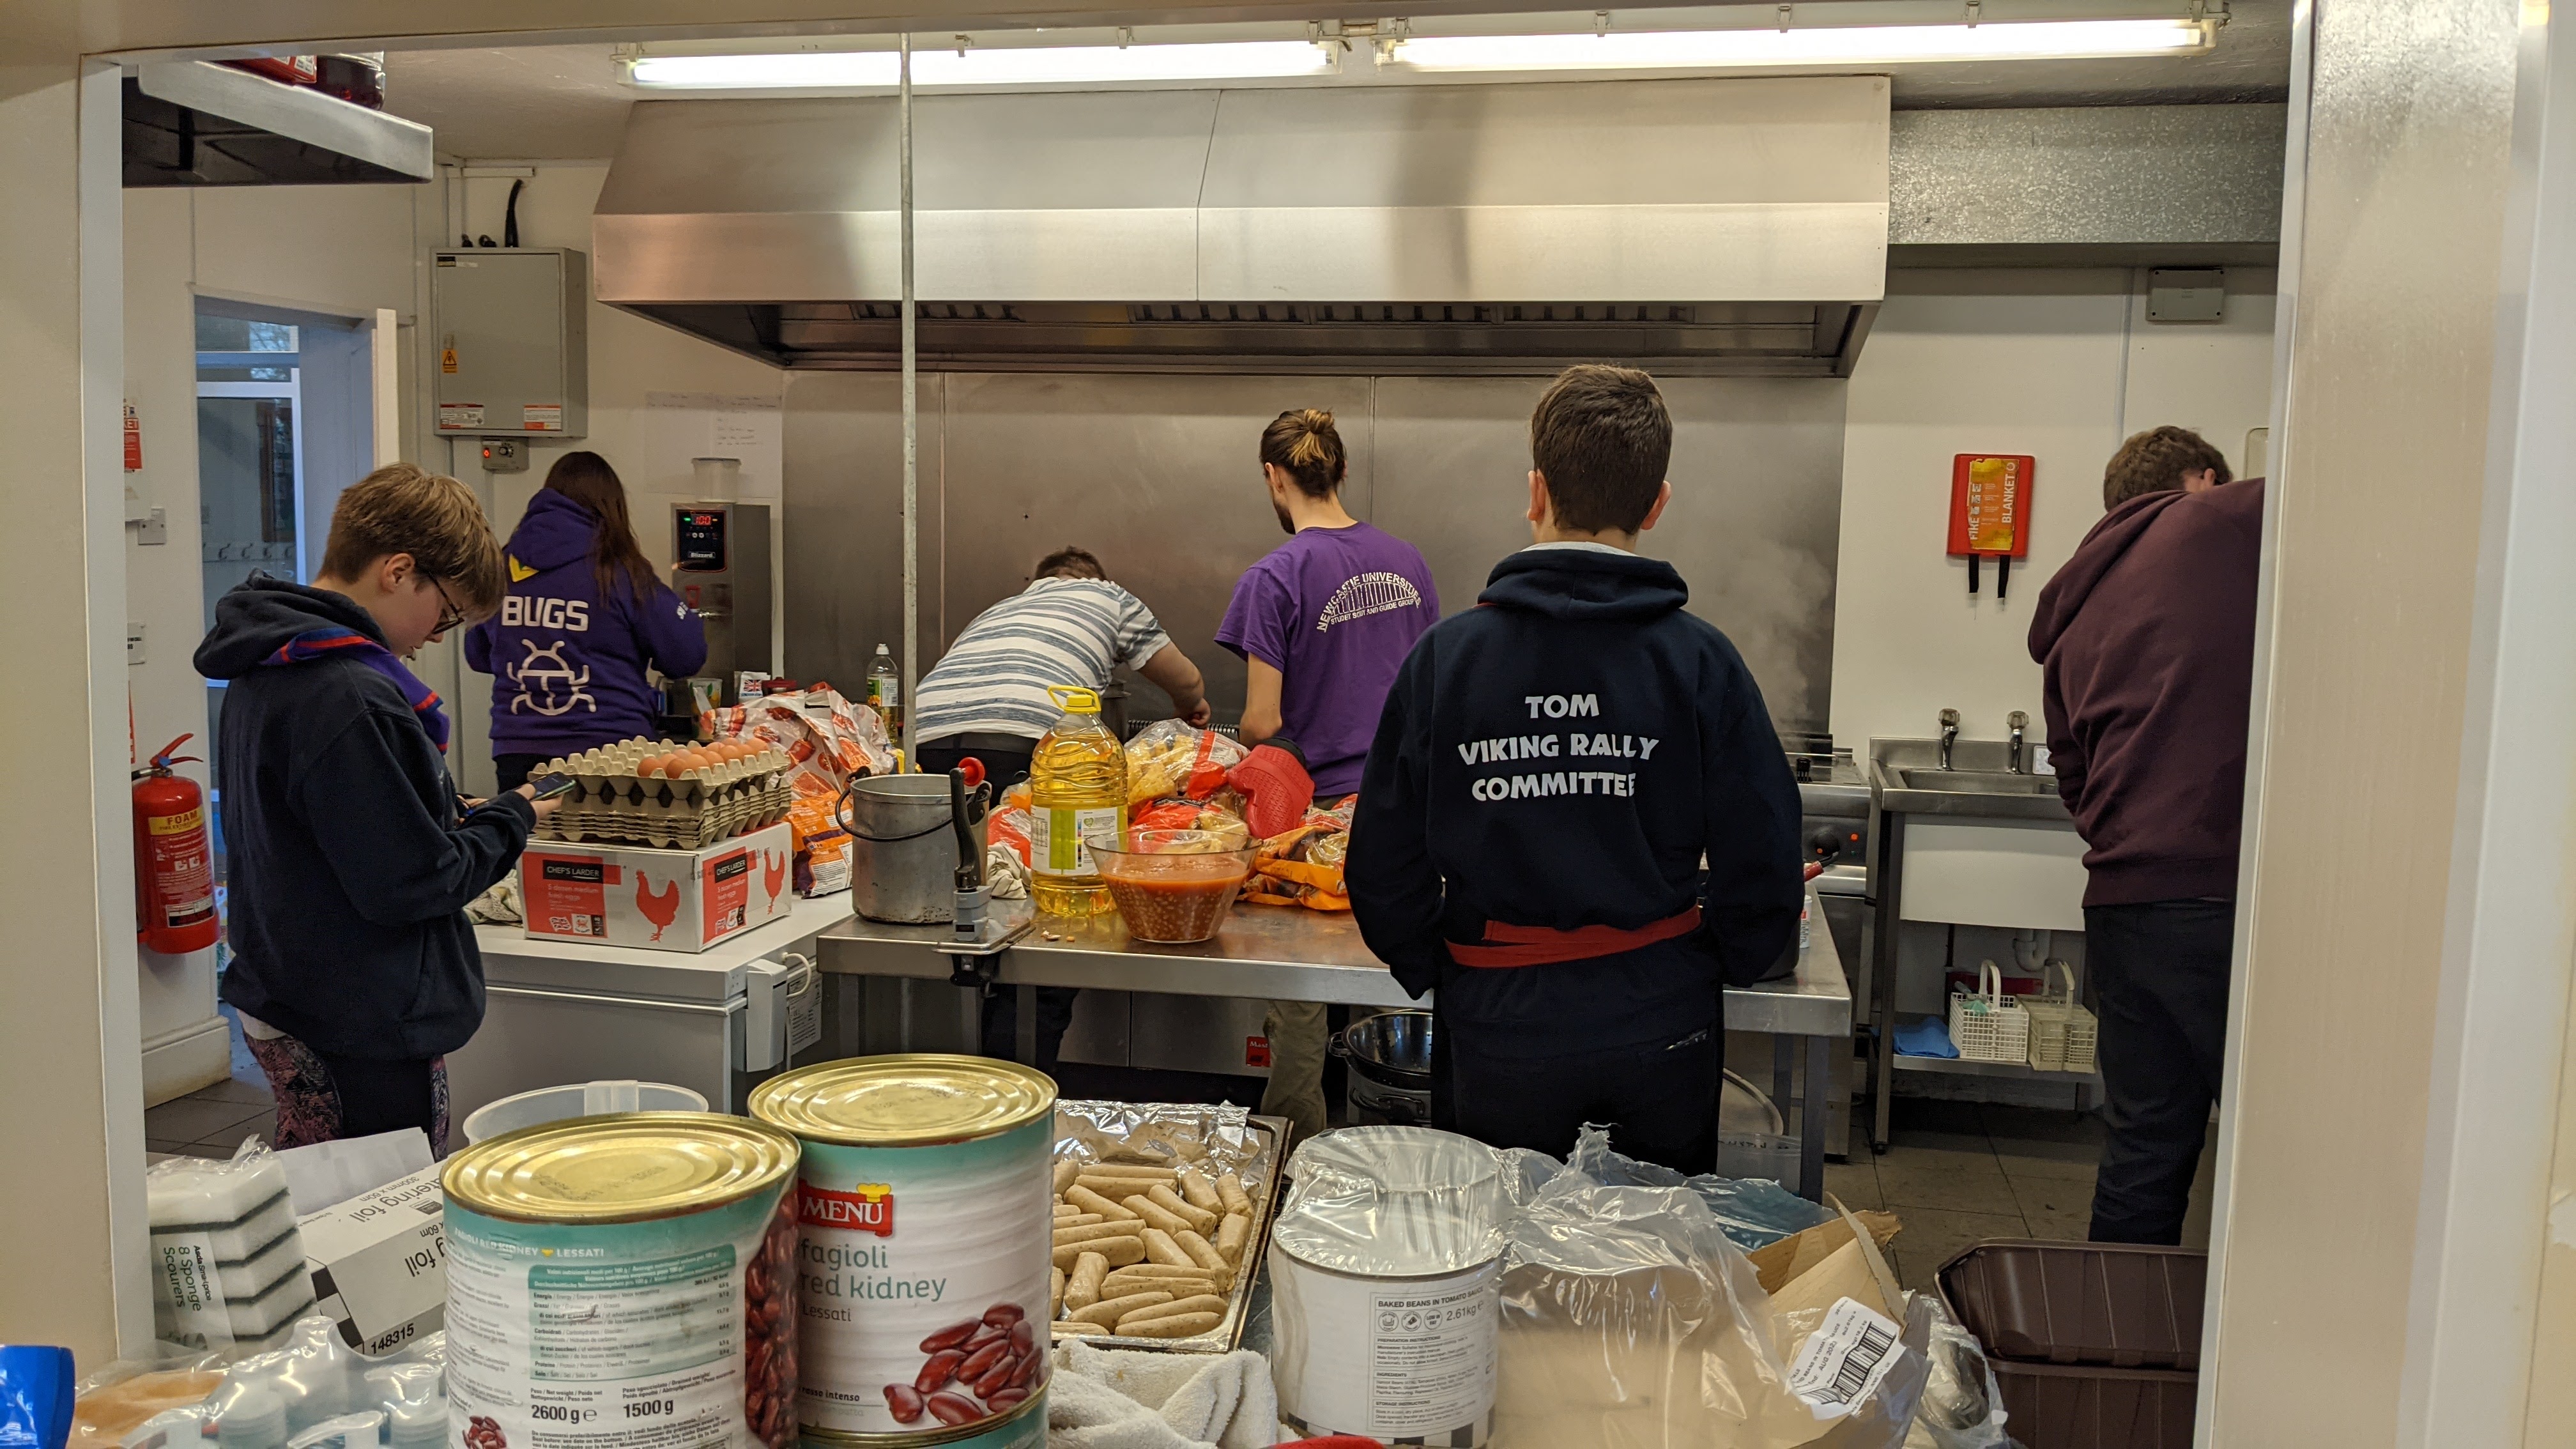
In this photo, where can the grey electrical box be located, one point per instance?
(513, 342)
(2178, 294)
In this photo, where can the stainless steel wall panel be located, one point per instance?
(842, 480)
(1157, 474)
(1634, 191)
(1021, 198)
(1748, 251)
(1754, 525)
(1594, 143)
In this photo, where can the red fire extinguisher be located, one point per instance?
(174, 882)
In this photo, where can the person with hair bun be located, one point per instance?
(1322, 623)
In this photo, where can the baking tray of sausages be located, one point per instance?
(1162, 1213)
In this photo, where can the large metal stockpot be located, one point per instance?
(903, 845)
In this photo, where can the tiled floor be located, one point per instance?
(212, 1121)
(1960, 1172)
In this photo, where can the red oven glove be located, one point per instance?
(1276, 788)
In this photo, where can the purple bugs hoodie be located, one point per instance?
(567, 662)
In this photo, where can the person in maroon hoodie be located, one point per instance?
(2146, 642)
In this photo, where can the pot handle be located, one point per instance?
(1338, 1044)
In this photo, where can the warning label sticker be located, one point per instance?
(460, 415)
(542, 417)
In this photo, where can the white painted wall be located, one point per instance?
(2058, 364)
(630, 357)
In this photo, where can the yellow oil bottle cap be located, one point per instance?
(1074, 701)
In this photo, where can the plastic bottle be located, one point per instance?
(1077, 790)
(885, 693)
(256, 1419)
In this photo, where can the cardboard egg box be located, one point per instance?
(611, 804)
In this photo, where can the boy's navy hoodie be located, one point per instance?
(349, 869)
(567, 658)
(1561, 756)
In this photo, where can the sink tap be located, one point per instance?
(2019, 721)
(1949, 734)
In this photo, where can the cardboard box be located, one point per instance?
(664, 900)
(379, 1262)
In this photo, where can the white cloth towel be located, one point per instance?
(500, 905)
(1120, 1399)
(1005, 877)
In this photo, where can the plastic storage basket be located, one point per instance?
(2062, 1032)
(1986, 1025)
(2095, 1345)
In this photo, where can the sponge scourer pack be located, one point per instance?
(228, 1265)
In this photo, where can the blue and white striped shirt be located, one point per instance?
(1058, 631)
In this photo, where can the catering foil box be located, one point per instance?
(1222, 1138)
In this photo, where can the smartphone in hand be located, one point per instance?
(547, 787)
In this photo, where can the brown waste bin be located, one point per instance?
(2095, 1345)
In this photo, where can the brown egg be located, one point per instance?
(649, 766)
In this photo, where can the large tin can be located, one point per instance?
(924, 1212)
(623, 1282)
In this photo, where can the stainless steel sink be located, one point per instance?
(1979, 782)
(1905, 776)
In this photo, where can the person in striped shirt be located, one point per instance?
(987, 698)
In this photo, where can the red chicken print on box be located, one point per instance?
(773, 875)
(661, 910)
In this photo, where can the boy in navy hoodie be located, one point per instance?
(1550, 770)
(349, 855)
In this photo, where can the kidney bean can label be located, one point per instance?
(675, 1331)
(922, 1266)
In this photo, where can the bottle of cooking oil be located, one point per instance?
(885, 692)
(1077, 789)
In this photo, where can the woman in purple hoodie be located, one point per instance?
(586, 613)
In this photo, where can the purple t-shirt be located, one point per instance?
(1334, 610)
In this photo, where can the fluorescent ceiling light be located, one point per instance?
(1838, 45)
(997, 66)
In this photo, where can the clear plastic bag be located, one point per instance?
(1752, 1211)
(315, 1393)
(826, 738)
(1168, 758)
(1962, 1405)
(1630, 1320)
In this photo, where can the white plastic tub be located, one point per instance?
(1385, 1265)
(576, 1099)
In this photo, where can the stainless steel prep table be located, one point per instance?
(1287, 954)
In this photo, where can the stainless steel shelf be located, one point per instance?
(1961, 1067)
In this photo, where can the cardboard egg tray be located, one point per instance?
(612, 804)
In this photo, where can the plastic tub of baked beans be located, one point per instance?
(1172, 886)
(925, 1196)
(623, 1282)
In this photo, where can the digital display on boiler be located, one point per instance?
(700, 533)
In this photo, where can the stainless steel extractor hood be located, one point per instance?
(197, 123)
(1708, 227)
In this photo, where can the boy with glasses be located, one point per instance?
(354, 969)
